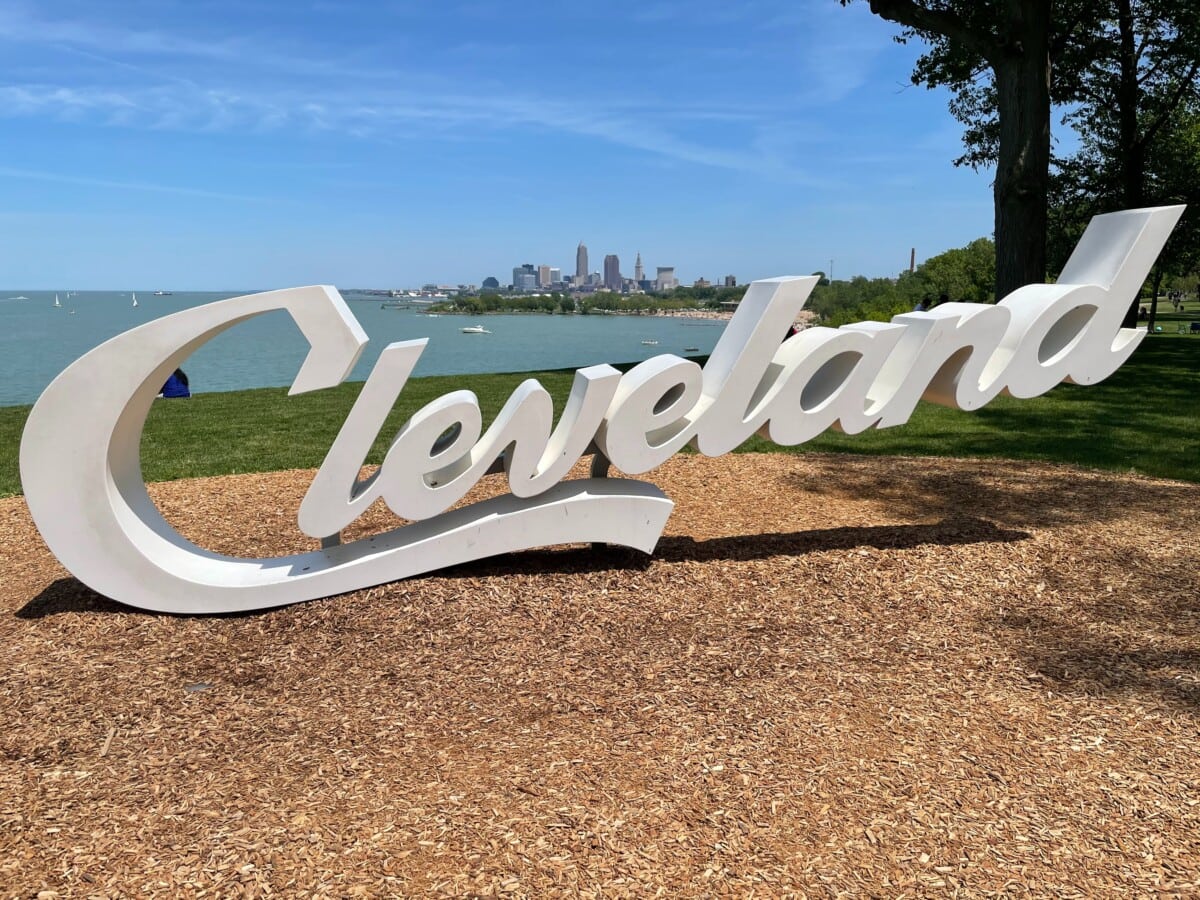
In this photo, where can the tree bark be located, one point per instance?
(1158, 278)
(1022, 71)
(1019, 55)
(1131, 146)
(1133, 151)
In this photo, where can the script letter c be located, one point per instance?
(81, 473)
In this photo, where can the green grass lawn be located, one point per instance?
(1145, 418)
(1171, 321)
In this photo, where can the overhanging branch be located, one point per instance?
(1188, 82)
(948, 24)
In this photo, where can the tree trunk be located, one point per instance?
(1158, 277)
(1131, 150)
(1018, 50)
(1022, 70)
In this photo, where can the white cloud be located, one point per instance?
(19, 25)
(391, 115)
(84, 181)
(324, 94)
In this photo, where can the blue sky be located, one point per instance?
(226, 144)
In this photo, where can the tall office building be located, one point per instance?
(555, 275)
(612, 272)
(544, 276)
(581, 271)
(524, 278)
(639, 274)
(666, 279)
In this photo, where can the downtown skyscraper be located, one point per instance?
(612, 272)
(581, 263)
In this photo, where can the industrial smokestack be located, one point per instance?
(912, 261)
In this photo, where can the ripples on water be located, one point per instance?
(37, 341)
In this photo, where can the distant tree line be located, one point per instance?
(601, 302)
(712, 296)
(490, 303)
(678, 299)
(965, 274)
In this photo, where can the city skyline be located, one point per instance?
(544, 275)
(272, 144)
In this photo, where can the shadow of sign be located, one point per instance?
(1095, 634)
(69, 595)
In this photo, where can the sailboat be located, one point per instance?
(57, 302)
(135, 303)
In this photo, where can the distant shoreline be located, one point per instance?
(716, 314)
(806, 316)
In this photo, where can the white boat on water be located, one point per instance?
(474, 329)
(650, 343)
(20, 297)
(57, 302)
(162, 294)
(135, 303)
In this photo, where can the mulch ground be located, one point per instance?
(837, 676)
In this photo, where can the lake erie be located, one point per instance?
(38, 340)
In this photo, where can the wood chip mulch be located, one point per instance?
(838, 676)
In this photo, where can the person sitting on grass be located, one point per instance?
(177, 385)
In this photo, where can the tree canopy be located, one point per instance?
(965, 273)
(1124, 71)
(1137, 113)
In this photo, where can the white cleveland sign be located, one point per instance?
(82, 477)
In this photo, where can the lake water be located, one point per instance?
(38, 340)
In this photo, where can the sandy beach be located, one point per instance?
(806, 316)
